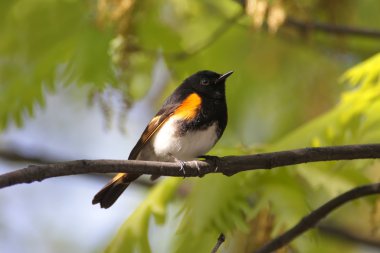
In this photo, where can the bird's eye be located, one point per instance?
(205, 82)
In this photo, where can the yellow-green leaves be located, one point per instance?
(365, 73)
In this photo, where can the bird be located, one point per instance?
(190, 122)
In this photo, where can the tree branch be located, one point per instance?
(18, 156)
(317, 215)
(228, 165)
(331, 28)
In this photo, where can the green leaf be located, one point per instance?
(44, 43)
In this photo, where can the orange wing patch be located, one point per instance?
(189, 107)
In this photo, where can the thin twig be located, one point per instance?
(228, 165)
(317, 215)
(221, 239)
(222, 29)
(304, 26)
(198, 47)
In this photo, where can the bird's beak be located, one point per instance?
(224, 76)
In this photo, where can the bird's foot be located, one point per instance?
(182, 164)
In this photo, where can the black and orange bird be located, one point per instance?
(190, 122)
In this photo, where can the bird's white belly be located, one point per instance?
(167, 143)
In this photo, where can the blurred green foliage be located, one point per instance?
(283, 95)
(137, 225)
(44, 43)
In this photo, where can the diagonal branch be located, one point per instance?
(228, 165)
(317, 215)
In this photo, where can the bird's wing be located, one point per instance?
(186, 109)
(154, 125)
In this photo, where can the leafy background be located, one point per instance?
(65, 63)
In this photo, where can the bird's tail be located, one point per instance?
(112, 191)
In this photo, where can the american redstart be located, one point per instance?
(187, 126)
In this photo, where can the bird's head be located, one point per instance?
(208, 83)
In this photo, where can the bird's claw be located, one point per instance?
(182, 164)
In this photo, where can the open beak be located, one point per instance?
(224, 76)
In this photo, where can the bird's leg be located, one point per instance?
(214, 159)
(182, 163)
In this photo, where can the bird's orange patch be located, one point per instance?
(189, 107)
